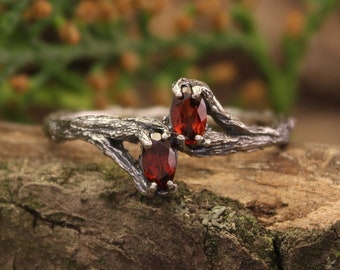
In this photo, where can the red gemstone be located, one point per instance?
(188, 117)
(159, 163)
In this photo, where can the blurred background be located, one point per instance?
(281, 55)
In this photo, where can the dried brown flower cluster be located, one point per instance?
(213, 14)
(19, 83)
(295, 23)
(69, 33)
(39, 9)
(117, 50)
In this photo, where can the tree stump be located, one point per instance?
(69, 207)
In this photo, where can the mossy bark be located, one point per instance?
(69, 207)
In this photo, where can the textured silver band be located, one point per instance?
(108, 132)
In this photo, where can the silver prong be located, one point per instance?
(165, 136)
(152, 189)
(206, 142)
(156, 136)
(144, 139)
(176, 89)
(172, 186)
(146, 144)
(199, 139)
(196, 91)
(181, 140)
(186, 90)
(165, 119)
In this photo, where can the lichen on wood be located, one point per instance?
(69, 207)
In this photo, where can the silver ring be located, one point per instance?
(184, 129)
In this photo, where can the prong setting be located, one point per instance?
(206, 142)
(181, 140)
(146, 144)
(186, 90)
(199, 139)
(166, 136)
(196, 92)
(156, 136)
(172, 186)
(152, 188)
(176, 89)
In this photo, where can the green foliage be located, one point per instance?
(84, 54)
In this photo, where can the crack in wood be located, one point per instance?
(278, 255)
(37, 216)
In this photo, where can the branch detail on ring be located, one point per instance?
(184, 129)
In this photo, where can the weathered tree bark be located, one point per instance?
(69, 207)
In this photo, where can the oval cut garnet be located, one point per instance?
(188, 117)
(159, 163)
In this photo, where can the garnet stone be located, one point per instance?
(188, 117)
(159, 163)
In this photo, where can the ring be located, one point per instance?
(184, 129)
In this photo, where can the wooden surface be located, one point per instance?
(68, 206)
(297, 187)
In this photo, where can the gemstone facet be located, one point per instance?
(188, 117)
(159, 163)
